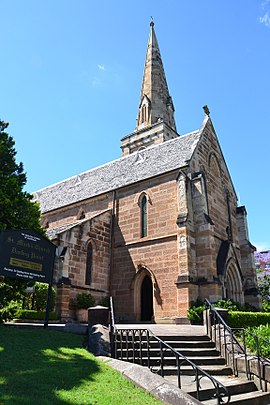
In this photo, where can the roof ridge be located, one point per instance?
(116, 160)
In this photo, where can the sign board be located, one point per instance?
(26, 255)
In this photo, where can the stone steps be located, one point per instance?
(155, 352)
(210, 369)
(247, 398)
(202, 352)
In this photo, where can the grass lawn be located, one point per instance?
(43, 367)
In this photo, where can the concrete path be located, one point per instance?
(167, 329)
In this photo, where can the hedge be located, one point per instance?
(237, 319)
(34, 315)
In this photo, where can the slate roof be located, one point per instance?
(140, 165)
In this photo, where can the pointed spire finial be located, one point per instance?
(206, 110)
(155, 101)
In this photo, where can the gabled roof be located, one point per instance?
(140, 165)
(53, 232)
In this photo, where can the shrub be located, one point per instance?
(8, 312)
(195, 312)
(38, 299)
(84, 301)
(265, 304)
(238, 319)
(34, 315)
(105, 301)
(262, 331)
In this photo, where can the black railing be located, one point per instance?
(227, 340)
(134, 345)
(112, 328)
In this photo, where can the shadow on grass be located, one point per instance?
(37, 364)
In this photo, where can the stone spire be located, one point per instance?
(155, 122)
(155, 101)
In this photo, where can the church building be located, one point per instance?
(157, 228)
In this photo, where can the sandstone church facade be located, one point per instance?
(159, 227)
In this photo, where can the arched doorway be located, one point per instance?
(233, 284)
(147, 311)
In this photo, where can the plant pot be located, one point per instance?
(82, 315)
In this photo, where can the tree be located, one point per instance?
(17, 210)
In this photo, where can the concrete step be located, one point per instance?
(155, 352)
(166, 338)
(202, 352)
(184, 338)
(171, 361)
(199, 344)
(248, 398)
(215, 370)
(235, 386)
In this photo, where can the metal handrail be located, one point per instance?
(234, 347)
(112, 328)
(221, 390)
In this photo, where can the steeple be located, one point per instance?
(155, 101)
(155, 122)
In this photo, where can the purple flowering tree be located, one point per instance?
(262, 261)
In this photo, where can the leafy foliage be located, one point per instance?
(265, 304)
(262, 331)
(195, 312)
(84, 301)
(8, 312)
(105, 301)
(33, 315)
(37, 301)
(17, 210)
(238, 319)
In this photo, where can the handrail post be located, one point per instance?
(197, 384)
(233, 357)
(258, 360)
(140, 338)
(161, 359)
(245, 354)
(133, 345)
(148, 348)
(112, 331)
(178, 371)
(127, 341)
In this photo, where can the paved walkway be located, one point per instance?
(167, 329)
(157, 329)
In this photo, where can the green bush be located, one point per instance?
(195, 312)
(105, 301)
(8, 312)
(33, 315)
(238, 319)
(265, 304)
(262, 331)
(38, 299)
(84, 301)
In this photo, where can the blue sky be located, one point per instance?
(70, 77)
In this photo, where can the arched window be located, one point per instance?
(143, 216)
(144, 113)
(89, 264)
